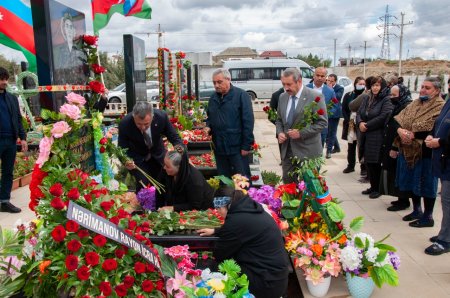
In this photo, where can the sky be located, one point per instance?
(292, 26)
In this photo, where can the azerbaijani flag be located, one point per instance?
(102, 10)
(16, 29)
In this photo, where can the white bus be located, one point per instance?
(261, 77)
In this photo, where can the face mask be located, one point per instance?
(424, 97)
(395, 99)
(360, 87)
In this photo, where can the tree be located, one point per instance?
(314, 61)
(12, 67)
(115, 70)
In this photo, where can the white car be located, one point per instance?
(119, 95)
(346, 83)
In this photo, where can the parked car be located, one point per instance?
(206, 89)
(346, 83)
(118, 94)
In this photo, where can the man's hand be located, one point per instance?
(207, 130)
(205, 232)
(245, 152)
(393, 154)
(362, 126)
(24, 145)
(294, 133)
(431, 142)
(130, 165)
(282, 137)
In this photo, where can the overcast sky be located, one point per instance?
(292, 26)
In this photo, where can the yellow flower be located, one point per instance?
(216, 284)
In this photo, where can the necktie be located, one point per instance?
(290, 117)
(148, 143)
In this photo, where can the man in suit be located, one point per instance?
(140, 132)
(304, 143)
(275, 98)
(10, 129)
(318, 84)
(333, 122)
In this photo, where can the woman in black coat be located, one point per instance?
(251, 237)
(371, 119)
(186, 188)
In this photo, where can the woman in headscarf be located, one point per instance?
(414, 124)
(186, 188)
(371, 119)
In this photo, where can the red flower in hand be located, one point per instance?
(59, 233)
(317, 99)
(335, 100)
(320, 112)
(83, 273)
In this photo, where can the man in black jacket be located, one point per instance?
(10, 129)
(140, 132)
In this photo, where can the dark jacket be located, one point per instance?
(16, 118)
(375, 112)
(339, 91)
(251, 237)
(346, 112)
(231, 120)
(131, 138)
(441, 155)
(274, 100)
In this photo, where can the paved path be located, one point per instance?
(420, 275)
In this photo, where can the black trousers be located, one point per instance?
(351, 154)
(374, 173)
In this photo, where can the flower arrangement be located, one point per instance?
(271, 113)
(270, 178)
(364, 257)
(147, 198)
(264, 195)
(195, 136)
(24, 164)
(255, 149)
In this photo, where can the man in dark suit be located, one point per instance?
(10, 129)
(140, 132)
(274, 100)
(339, 91)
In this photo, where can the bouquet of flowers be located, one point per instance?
(315, 254)
(271, 113)
(364, 257)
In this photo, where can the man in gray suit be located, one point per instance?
(304, 143)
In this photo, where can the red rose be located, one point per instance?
(71, 262)
(185, 142)
(59, 233)
(320, 112)
(151, 268)
(83, 273)
(97, 87)
(159, 285)
(90, 40)
(73, 245)
(92, 258)
(335, 101)
(100, 213)
(102, 149)
(121, 290)
(109, 265)
(73, 194)
(132, 224)
(88, 198)
(119, 253)
(99, 240)
(103, 141)
(105, 288)
(83, 233)
(317, 99)
(56, 189)
(107, 205)
(147, 286)
(72, 226)
(139, 267)
(57, 203)
(128, 281)
(114, 220)
(98, 69)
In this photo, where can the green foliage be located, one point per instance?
(335, 212)
(270, 178)
(185, 122)
(314, 61)
(357, 223)
(116, 69)
(302, 166)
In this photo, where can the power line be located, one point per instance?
(385, 45)
(401, 25)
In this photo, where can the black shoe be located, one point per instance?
(335, 150)
(434, 239)
(363, 173)
(367, 191)
(422, 223)
(398, 207)
(328, 155)
(437, 248)
(348, 170)
(8, 207)
(395, 203)
(374, 195)
(412, 216)
(363, 180)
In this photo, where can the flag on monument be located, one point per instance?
(16, 29)
(102, 10)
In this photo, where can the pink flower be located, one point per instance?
(76, 99)
(71, 111)
(178, 251)
(60, 128)
(175, 284)
(45, 147)
(314, 275)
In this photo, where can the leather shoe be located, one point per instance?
(367, 191)
(363, 173)
(374, 195)
(328, 155)
(8, 207)
(422, 223)
(348, 170)
(434, 239)
(412, 216)
(397, 207)
(335, 150)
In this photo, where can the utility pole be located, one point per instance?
(401, 25)
(334, 60)
(364, 59)
(349, 54)
(159, 32)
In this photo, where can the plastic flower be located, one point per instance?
(372, 254)
(331, 266)
(71, 111)
(147, 198)
(59, 129)
(175, 284)
(216, 284)
(395, 260)
(363, 237)
(314, 275)
(75, 99)
(350, 258)
(178, 251)
(45, 146)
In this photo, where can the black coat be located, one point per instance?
(274, 100)
(16, 118)
(375, 115)
(251, 237)
(348, 98)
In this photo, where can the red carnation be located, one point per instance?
(92, 258)
(105, 288)
(121, 290)
(320, 112)
(90, 40)
(83, 273)
(71, 262)
(73, 194)
(119, 253)
(147, 286)
(57, 203)
(114, 220)
(132, 224)
(56, 189)
(101, 214)
(88, 198)
(72, 226)
(128, 281)
(98, 69)
(139, 267)
(107, 205)
(159, 285)
(335, 101)
(102, 149)
(59, 233)
(109, 265)
(97, 87)
(73, 245)
(317, 99)
(103, 141)
(99, 240)
(83, 233)
(151, 268)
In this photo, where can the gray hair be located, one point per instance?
(175, 158)
(142, 108)
(395, 87)
(435, 81)
(226, 74)
(292, 71)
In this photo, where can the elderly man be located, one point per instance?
(140, 132)
(318, 84)
(230, 122)
(304, 143)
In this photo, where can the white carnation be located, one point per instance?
(372, 254)
(350, 258)
(363, 237)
